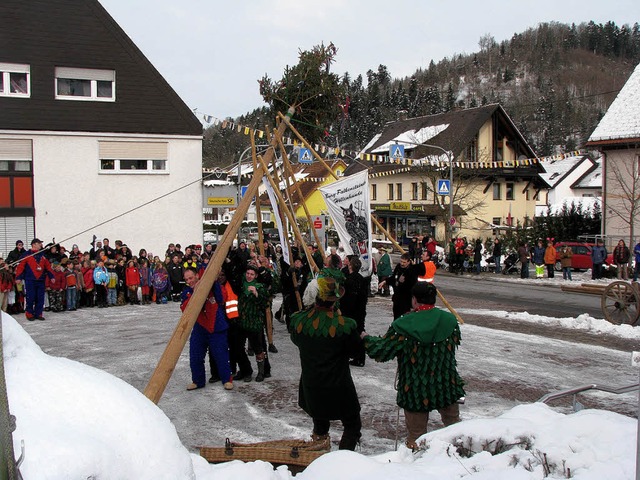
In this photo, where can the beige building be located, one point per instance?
(617, 136)
(495, 175)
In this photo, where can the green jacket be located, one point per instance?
(424, 343)
(384, 266)
(252, 309)
(326, 341)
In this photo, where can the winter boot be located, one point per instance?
(260, 375)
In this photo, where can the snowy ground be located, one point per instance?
(79, 422)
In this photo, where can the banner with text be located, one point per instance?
(348, 204)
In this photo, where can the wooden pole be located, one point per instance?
(167, 363)
(373, 219)
(267, 313)
(289, 214)
(289, 173)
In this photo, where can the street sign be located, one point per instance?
(396, 152)
(444, 187)
(452, 221)
(304, 156)
(221, 201)
(243, 190)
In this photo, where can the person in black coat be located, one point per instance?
(353, 303)
(176, 273)
(404, 277)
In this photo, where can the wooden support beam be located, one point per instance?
(167, 363)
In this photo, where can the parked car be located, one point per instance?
(581, 259)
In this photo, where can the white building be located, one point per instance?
(93, 141)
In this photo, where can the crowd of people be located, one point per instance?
(324, 309)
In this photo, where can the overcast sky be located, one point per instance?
(213, 52)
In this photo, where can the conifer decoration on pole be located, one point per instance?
(310, 86)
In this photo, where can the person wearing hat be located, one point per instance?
(424, 341)
(326, 340)
(32, 269)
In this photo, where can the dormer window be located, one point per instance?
(85, 84)
(15, 80)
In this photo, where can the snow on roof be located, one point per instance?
(622, 119)
(592, 179)
(410, 137)
(555, 170)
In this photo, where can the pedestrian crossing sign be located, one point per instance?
(444, 187)
(396, 152)
(304, 156)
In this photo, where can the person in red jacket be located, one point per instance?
(56, 289)
(132, 279)
(33, 269)
(88, 293)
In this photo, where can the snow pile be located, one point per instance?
(582, 322)
(80, 422)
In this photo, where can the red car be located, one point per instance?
(581, 259)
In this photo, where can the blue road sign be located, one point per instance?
(304, 156)
(243, 190)
(396, 152)
(444, 187)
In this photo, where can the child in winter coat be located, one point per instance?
(144, 280)
(132, 278)
(112, 285)
(89, 285)
(6, 285)
(72, 286)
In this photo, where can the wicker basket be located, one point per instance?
(281, 452)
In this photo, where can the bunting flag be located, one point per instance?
(349, 206)
(433, 161)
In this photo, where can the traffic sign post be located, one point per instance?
(444, 187)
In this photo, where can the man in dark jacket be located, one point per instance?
(326, 340)
(16, 253)
(403, 279)
(354, 303)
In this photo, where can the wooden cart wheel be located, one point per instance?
(620, 301)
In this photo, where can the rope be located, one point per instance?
(114, 218)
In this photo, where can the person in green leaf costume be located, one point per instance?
(252, 303)
(326, 341)
(425, 341)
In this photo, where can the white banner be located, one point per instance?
(348, 204)
(276, 212)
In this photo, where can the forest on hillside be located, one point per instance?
(555, 81)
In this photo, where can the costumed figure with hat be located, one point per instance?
(424, 341)
(32, 269)
(326, 340)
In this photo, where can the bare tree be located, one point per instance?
(623, 194)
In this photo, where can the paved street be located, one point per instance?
(502, 366)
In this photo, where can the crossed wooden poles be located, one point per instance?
(169, 359)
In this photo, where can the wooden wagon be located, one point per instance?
(620, 300)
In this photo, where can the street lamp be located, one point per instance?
(450, 157)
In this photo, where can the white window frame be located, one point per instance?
(6, 69)
(91, 75)
(118, 152)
